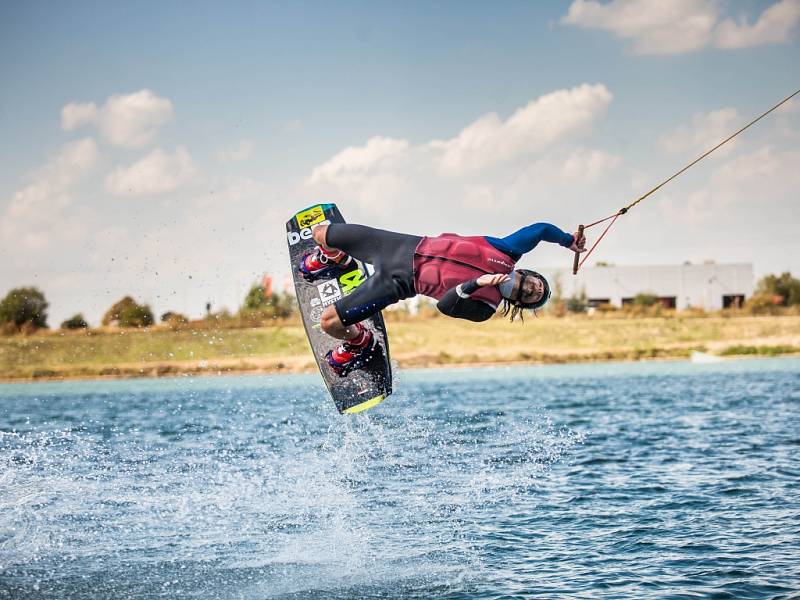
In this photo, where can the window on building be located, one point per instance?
(732, 301)
(595, 302)
(626, 301)
(668, 301)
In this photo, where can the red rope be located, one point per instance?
(625, 209)
(605, 231)
(600, 221)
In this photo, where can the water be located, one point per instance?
(622, 480)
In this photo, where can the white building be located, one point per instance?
(709, 286)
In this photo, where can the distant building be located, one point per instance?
(709, 286)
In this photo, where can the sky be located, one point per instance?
(157, 149)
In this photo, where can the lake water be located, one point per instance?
(612, 480)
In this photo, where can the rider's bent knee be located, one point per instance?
(330, 320)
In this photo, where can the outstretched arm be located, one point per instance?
(527, 238)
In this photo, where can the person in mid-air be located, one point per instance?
(470, 277)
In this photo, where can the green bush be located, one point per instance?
(258, 306)
(75, 322)
(24, 307)
(646, 300)
(763, 304)
(255, 299)
(784, 286)
(128, 313)
(759, 350)
(174, 320)
(173, 317)
(578, 303)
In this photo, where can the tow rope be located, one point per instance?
(578, 262)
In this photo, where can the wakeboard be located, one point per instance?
(362, 388)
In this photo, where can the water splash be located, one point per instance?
(310, 501)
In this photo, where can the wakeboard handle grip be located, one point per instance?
(577, 254)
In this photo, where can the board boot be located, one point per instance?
(320, 263)
(353, 354)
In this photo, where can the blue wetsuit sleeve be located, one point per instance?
(527, 238)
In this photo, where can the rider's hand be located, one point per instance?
(496, 279)
(578, 243)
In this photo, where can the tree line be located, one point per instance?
(24, 310)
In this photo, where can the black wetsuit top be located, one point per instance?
(457, 303)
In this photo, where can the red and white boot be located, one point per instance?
(353, 354)
(320, 263)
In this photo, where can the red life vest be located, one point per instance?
(442, 262)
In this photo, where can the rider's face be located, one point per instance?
(532, 288)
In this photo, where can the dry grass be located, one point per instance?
(414, 342)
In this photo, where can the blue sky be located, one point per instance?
(156, 149)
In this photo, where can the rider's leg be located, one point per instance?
(333, 326)
(358, 345)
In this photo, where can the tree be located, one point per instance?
(280, 305)
(127, 313)
(578, 303)
(284, 304)
(174, 318)
(24, 306)
(645, 300)
(784, 285)
(256, 298)
(75, 322)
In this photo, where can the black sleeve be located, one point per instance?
(460, 306)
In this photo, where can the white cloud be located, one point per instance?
(77, 114)
(40, 211)
(791, 107)
(156, 173)
(679, 26)
(488, 141)
(354, 163)
(705, 131)
(774, 26)
(540, 123)
(125, 120)
(754, 168)
(654, 26)
(480, 198)
(759, 185)
(589, 165)
(238, 152)
(510, 167)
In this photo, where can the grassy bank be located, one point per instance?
(414, 342)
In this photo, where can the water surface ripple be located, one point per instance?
(619, 480)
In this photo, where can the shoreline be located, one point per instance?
(233, 367)
(413, 344)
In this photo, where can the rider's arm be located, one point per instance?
(527, 238)
(457, 303)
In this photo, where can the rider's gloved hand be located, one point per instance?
(578, 243)
(496, 279)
